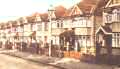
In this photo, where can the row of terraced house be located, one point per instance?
(77, 29)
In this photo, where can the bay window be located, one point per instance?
(116, 15)
(67, 23)
(57, 24)
(19, 29)
(84, 40)
(82, 22)
(116, 39)
(112, 17)
(27, 27)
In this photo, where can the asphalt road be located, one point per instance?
(9, 62)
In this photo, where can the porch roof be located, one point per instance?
(106, 30)
(67, 33)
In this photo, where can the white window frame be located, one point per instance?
(116, 40)
(39, 27)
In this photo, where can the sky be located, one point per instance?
(13, 9)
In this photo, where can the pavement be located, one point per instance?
(62, 63)
(10, 62)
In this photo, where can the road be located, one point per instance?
(9, 62)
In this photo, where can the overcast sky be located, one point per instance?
(12, 9)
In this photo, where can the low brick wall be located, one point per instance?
(72, 54)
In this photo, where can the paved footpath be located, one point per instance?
(63, 63)
(9, 62)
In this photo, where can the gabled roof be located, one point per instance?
(67, 12)
(75, 11)
(111, 3)
(87, 5)
(30, 19)
(92, 6)
(44, 17)
(58, 13)
(37, 17)
(83, 7)
(25, 19)
(106, 30)
(100, 7)
(14, 23)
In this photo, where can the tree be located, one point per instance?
(60, 11)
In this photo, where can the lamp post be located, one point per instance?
(50, 12)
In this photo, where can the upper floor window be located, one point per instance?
(62, 24)
(54, 24)
(39, 27)
(108, 18)
(59, 24)
(27, 27)
(34, 27)
(116, 15)
(19, 29)
(46, 26)
(67, 23)
(82, 23)
(13, 29)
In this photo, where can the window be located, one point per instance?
(61, 24)
(67, 23)
(116, 15)
(116, 40)
(80, 23)
(88, 41)
(113, 40)
(84, 23)
(34, 27)
(80, 37)
(20, 29)
(58, 25)
(27, 27)
(39, 38)
(13, 29)
(45, 38)
(84, 40)
(88, 37)
(108, 18)
(54, 24)
(84, 37)
(46, 26)
(39, 27)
